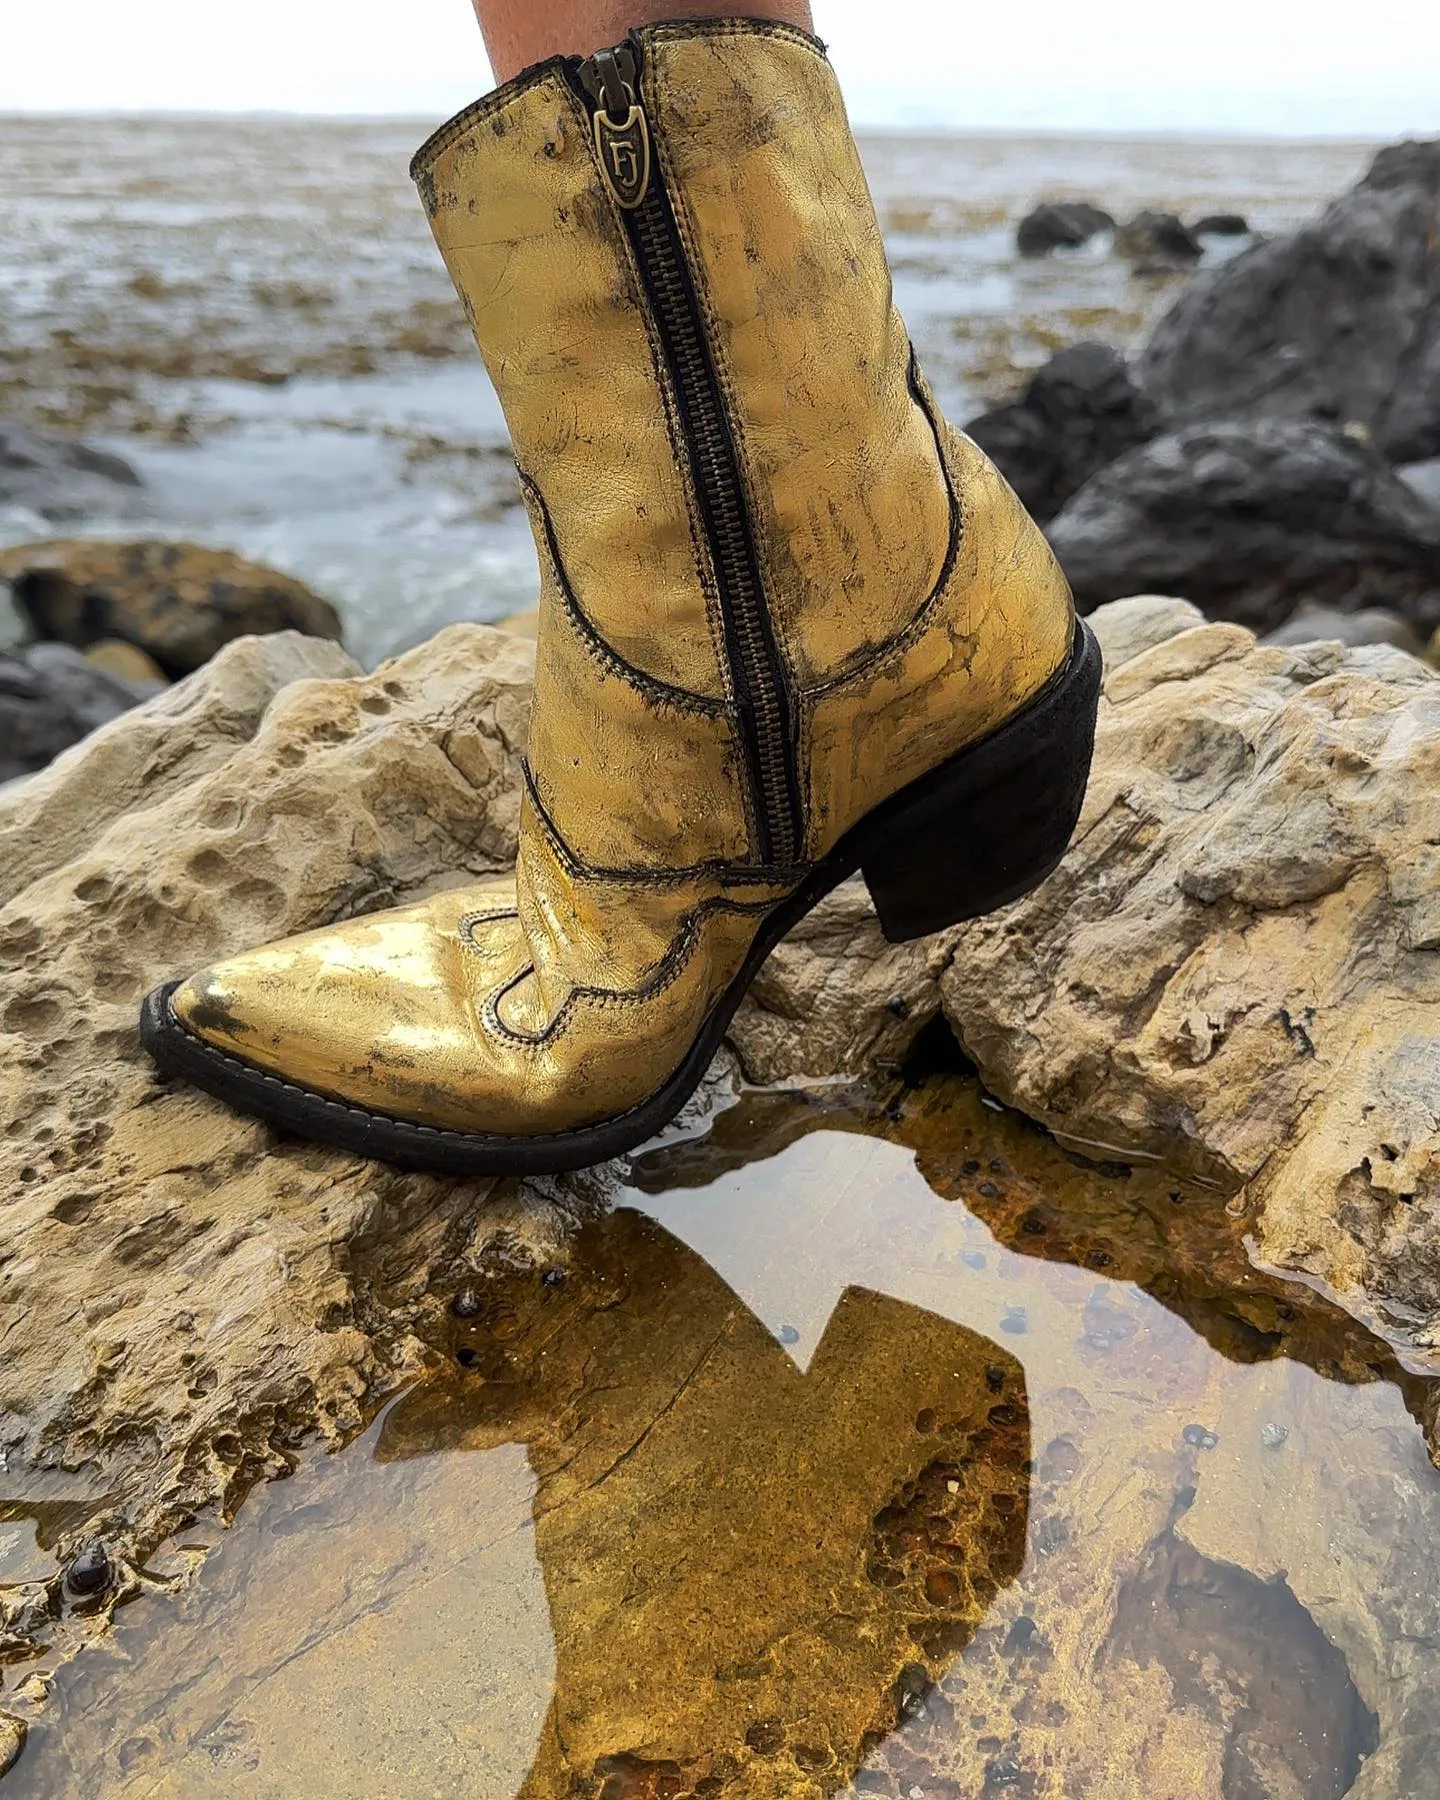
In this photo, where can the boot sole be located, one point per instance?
(974, 834)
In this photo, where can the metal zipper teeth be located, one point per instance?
(756, 676)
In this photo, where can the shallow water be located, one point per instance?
(253, 312)
(869, 1444)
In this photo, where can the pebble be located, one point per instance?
(1002, 1773)
(466, 1304)
(1200, 1436)
(1016, 1321)
(1273, 1436)
(789, 1335)
(553, 1278)
(90, 1571)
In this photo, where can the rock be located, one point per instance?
(1130, 627)
(118, 658)
(150, 753)
(1060, 225)
(1159, 239)
(1371, 625)
(90, 1572)
(1340, 321)
(1079, 413)
(178, 603)
(61, 478)
(1424, 478)
(1235, 968)
(1221, 225)
(13, 1733)
(50, 697)
(1248, 518)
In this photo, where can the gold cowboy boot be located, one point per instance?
(791, 625)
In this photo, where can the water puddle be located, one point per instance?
(869, 1446)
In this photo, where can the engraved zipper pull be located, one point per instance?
(622, 134)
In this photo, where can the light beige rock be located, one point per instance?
(1237, 967)
(151, 752)
(117, 657)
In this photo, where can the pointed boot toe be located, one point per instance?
(791, 626)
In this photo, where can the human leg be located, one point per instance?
(519, 33)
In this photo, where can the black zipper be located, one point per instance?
(611, 82)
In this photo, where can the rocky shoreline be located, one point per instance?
(1233, 976)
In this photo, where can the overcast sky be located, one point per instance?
(1321, 66)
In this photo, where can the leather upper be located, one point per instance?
(914, 604)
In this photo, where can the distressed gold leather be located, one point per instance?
(915, 605)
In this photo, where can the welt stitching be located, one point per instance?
(401, 1127)
(650, 687)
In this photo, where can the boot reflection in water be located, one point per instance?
(791, 625)
(754, 1574)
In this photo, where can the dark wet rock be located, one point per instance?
(466, 1304)
(62, 478)
(1247, 519)
(1221, 225)
(1060, 225)
(1079, 413)
(1273, 1436)
(50, 698)
(90, 1572)
(1200, 1437)
(1424, 478)
(179, 603)
(1340, 321)
(1159, 239)
(1325, 624)
(1294, 1721)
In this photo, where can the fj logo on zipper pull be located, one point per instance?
(622, 136)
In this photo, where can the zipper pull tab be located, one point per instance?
(622, 134)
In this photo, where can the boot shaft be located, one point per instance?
(743, 499)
